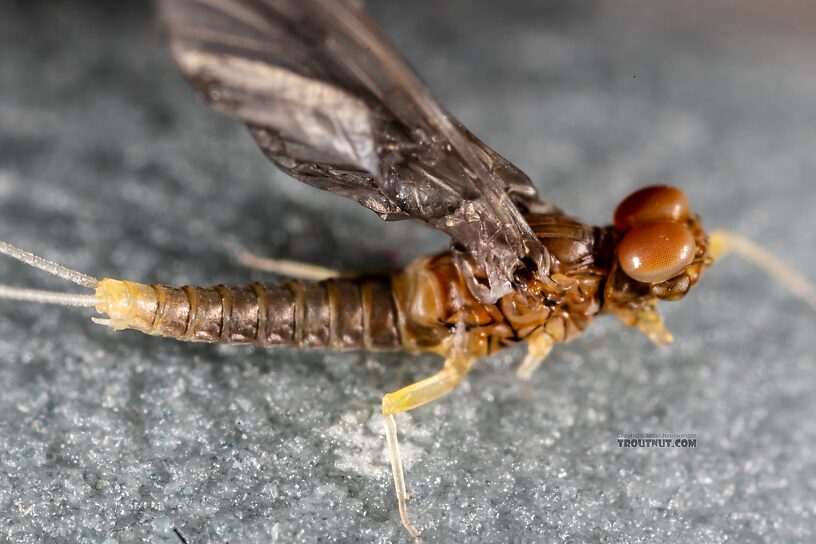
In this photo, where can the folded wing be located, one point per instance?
(330, 101)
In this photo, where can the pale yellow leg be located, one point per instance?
(651, 323)
(539, 345)
(283, 267)
(408, 398)
(423, 392)
(399, 475)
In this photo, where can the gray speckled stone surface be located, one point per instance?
(109, 165)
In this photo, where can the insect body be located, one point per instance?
(429, 306)
(425, 307)
(330, 102)
(416, 309)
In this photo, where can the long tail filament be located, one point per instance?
(48, 297)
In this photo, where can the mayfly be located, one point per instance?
(330, 102)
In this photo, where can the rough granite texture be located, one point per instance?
(110, 165)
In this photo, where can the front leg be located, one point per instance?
(649, 321)
(408, 398)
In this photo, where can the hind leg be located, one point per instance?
(284, 267)
(408, 398)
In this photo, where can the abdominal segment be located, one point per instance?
(338, 314)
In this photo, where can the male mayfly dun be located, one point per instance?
(330, 102)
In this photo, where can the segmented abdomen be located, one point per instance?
(338, 314)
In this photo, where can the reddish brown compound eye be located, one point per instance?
(656, 251)
(650, 204)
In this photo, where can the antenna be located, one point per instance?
(724, 242)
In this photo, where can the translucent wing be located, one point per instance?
(331, 102)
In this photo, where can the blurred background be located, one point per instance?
(110, 165)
